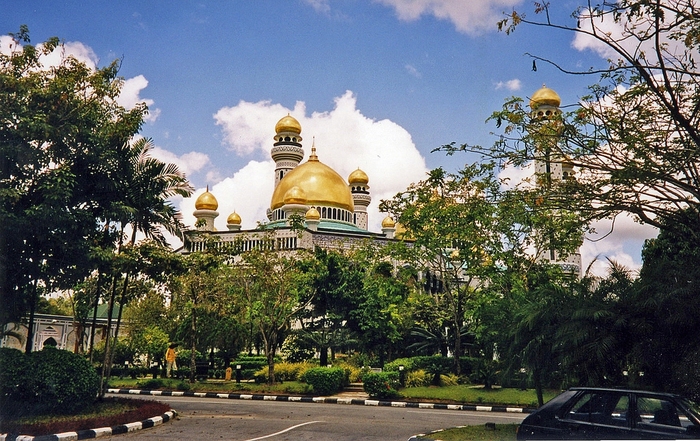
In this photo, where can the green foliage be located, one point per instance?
(381, 384)
(418, 378)
(15, 378)
(324, 380)
(63, 382)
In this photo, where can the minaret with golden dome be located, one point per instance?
(286, 151)
(358, 181)
(545, 109)
(205, 211)
(550, 164)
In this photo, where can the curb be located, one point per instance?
(325, 400)
(96, 433)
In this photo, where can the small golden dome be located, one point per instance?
(545, 96)
(233, 219)
(206, 201)
(358, 177)
(388, 222)
(295, 195)
(313, 214)
(322, 186)
(288, 124)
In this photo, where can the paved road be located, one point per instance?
(224, 419)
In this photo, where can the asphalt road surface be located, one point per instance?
(226, 419)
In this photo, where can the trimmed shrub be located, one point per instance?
(64, 382)
(382, 384)
(15, 376)
(325, 381)
(291, 371)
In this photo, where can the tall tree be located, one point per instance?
(274, 289)
(470, 235)
(60, 127)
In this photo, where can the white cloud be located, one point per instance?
(188, 163)
(321, 6)
(129, 96)
(345, 140)
(620, 241)
(469, 17)
(413, 71)
(512, 85)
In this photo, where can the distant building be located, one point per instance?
(61, 331)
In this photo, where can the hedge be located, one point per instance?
(324, 380)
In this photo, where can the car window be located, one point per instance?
(608, 408)
(661, 414)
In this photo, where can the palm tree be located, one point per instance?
(145, 184)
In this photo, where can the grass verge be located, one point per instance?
(477, 395)
(503, 432)
(106, 413)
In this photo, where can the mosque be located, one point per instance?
(331, 211)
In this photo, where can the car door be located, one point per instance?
(598, 415)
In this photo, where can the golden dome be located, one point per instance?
(322, 185)
(233, 219)
(313, 214)
(388, 222)
(545, 96)
(288, 124)
(206, 201)
(294, 195)
(358, 177)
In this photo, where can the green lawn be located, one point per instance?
(503, 432)
(460, 393)
(478, 395)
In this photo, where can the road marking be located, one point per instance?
(285, 430)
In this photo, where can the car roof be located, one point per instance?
(633, 391)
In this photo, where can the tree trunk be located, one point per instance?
(30, 327)
(193, 330)
(538, 386)
(108, 348)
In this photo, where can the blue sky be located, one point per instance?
(377, 84)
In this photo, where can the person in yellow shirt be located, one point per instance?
(170, 359)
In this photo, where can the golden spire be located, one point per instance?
(313, 156)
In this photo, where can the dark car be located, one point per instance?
(597, 413)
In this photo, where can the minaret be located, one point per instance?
(358, 181)
(550, 164)
(286, 151)
(205, 211)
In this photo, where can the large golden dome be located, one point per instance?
(322, 186)
(545, 96)
(288, 124)
(206, 201)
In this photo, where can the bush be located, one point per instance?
(325, 381)
(291, 371)
(14, 377)
(418, 378)
(449, 380)
(382, 384)
(63, 382)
